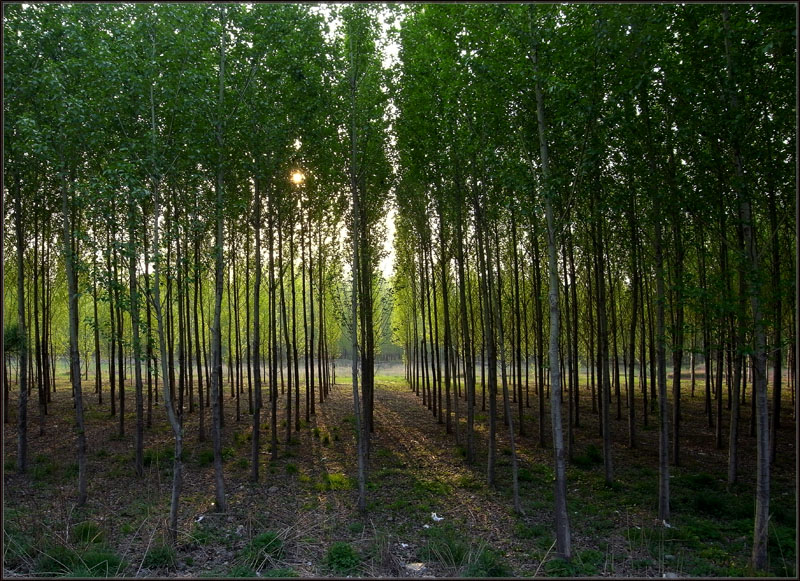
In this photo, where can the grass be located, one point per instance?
(59, 559)
(342, 558)
(334, 482)
(444, 544)
(204, 458)
(86, 532)
(487, 563)
(264, 547)
(160, 557)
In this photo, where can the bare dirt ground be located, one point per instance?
(308, 495)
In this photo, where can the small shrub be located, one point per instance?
(241, 438)
(291, 468)
(18, 548)
(326, 440)
(160, 556)
(445, 545)
(525, 475)
(434, 487)
(524, 531)
(708, 502)
(342, 558)
(335, 482)
(55, 559)
(228, 453)
(468, 482)
(43, 467)
(242, 463)
(594, 454)
(315, 432)
(264, 547)
(102, 563)
(204, 458)
(356, 527)
(86, 532)
(488, 564)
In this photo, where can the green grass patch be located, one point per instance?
(524, 531)
(334, 482)
(43, 467)
(432, 487)
(591, 457)
(356, 527)
(445, 545)
(342, 558)
(86, 532)
(263, 548)
(204, 458)
(487, 563)
(468, 482)
(160, 557)
(241, 571)
(67, 561)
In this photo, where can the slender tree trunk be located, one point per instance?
(563, 542)
(256, 337)
(446, 314)
(137, 349)
(22, 381)
(294, 335)
(216, 329)
(74, 355)
(198, 361)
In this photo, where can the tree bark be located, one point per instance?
(563, 542)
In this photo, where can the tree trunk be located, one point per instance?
(74, 355)
(137, 349)
(22, 418)
(256, 338)
(216, 329)
(563, 542)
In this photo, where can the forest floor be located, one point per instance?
(293, 522)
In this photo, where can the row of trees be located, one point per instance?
(179, 177)
(632, 166)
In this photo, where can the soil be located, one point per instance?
(419, 489)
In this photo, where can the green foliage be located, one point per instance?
(445, 545)
(43, 467)
(334, 482)
(160, 556)
(18, 547)
(204, 458)
(263, 548)
(63, 560)
(86, 532)
(524, 531)
(241, 571)
(591, 457)
(356, 527)
(343, 559)
(291, 468)
(13, 339)
(525, 475)
(432, 487)
(488, 564)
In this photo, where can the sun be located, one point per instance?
(298, 177)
